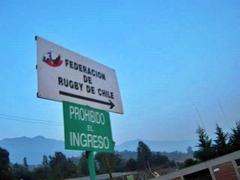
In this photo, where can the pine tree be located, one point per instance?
(189, 150)
(206, 150)
(221, 145)
(25, 164)
(131, 164)
(159, 160)
(234, 141)
(60, 166)
(144, 156)
(83, 165)
(4, 164)
(45, 162)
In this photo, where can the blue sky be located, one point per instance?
(177, 63)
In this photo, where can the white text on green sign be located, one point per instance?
(87, 128)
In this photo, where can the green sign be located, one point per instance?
(86, 128)
(130, 177)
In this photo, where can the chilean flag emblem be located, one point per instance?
(51, 60)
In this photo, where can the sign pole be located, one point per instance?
(91, 165)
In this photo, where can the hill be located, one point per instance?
(163, 146)
(34, 148)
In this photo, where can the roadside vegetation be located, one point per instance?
(59, 166)
(147, 162)
(223, 143)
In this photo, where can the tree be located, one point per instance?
(106, 162)
(189, 150)
(144, 156)
(42, 172)
(119, 163)
(4, 165)
(159, 160)
(190, 162)
(61, 167)
(234, 141)
(109, 162)
(131, 164)
(25, 164)
(45, 162)
(206, 150)
(21, 172)
(83, 165)
(221, 145)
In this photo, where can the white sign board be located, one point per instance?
(64, 75)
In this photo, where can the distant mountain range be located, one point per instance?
(34, 148)
(162, 146)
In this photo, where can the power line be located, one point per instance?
(224, 114)
(199, 116)
(28, 120)
(21, 117)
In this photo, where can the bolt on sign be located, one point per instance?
(64, 75)
(87, 128)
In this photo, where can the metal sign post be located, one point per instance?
(68, 77)
(91, 165)
(87, 129)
